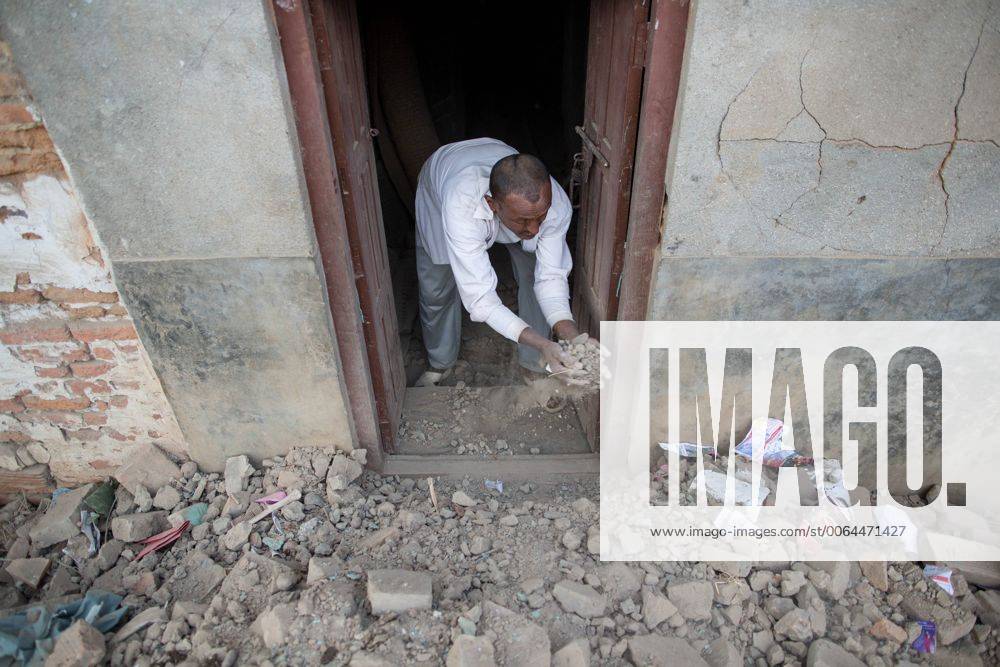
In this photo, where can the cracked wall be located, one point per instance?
(835, 160)
(174, 122)
(846, 130)
(77, 390)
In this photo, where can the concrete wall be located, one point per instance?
(175, 124)
(835, 160)
(77, 391)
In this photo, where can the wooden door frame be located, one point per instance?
(661, 83)
(664, 60)
(298, 49)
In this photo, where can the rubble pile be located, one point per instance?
(309, 559)
(587, 361)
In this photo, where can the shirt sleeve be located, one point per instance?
(553, 261)
(474, 275)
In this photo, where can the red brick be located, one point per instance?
(81, 387)
(11, 85)
(94, 418)
(102, 353)
(51, 372)
(118, 401)
(120, 437)
(45, 331)
(16, 114)
(58, 403)
(89, 369)
(20, 296)
(31, 236)
(78, 295)
(79, 354)
(11, 405)
(117, 310)
(86, 434)
(14, 161)
(91, 312)
(89, 331)
(101, 405)
(14, 436)
(128, 349)
(61, 418)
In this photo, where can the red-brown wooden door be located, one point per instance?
(615, 59)
(615, 55)
(338, 49)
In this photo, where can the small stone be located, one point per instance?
(38, 452)
(509, 520)
(79, 645)
(238, 471)
(656, 608)
(28, 571)
(824, 653)
(886, 629)
(659, 651)
(398, 590)
(61, 521)
(794, 625)
(693, 599)
(574, 654)
(463, 499)
(722, 653)
(791, 582)
(237, 536)
(188, 469)
(480, 545)
(572, 540)
(321, 569)
(275, 624)
(469, 651)
(143, 501)
(579, 599)
(877, 573)
(167, 498)
(146, 466)
(136, 527)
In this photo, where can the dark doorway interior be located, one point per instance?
(446, 71)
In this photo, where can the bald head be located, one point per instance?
(520, 174)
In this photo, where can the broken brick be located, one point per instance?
(61, 521)
(398, 590)
(80, 645)
(28, 571)
(135, 527)
(148, 466)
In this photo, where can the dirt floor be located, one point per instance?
(366, 570)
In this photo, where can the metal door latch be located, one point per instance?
(592, 147)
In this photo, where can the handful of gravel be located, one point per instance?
(587, 361)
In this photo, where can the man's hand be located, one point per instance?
(558, 361)
(567, 330)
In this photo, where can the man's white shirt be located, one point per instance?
(455, 226)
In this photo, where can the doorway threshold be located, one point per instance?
(531, 467)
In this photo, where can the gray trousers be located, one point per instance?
(441, 308)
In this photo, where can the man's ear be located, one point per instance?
(492, 203)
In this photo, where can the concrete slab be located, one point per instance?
(979, 110)
(244, 352)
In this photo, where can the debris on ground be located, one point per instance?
(351, 568)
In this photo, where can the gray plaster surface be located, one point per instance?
(244, 353)
(809, 288)
(829, 129)
(173, 119)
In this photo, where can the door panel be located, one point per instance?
(615, 59)
(338, 49)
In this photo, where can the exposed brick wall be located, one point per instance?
(77, 390)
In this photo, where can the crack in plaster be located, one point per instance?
(954, 140)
